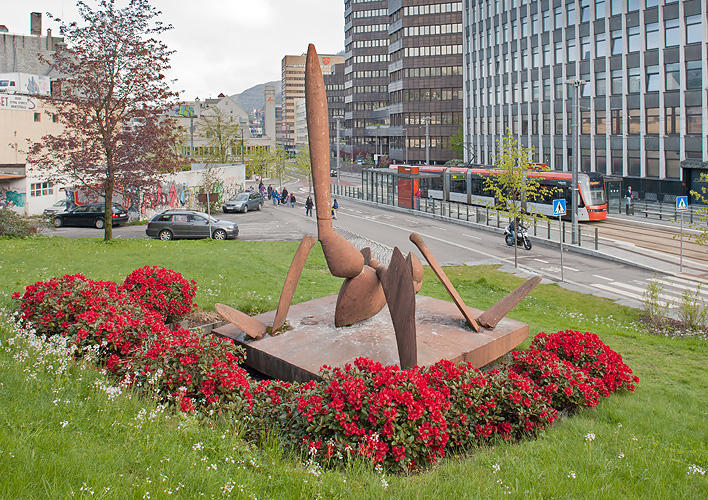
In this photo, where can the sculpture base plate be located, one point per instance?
(298, 353)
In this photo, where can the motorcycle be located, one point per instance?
(522, 238)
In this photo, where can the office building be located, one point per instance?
(334, 85)
(643, 106)
(293, 84)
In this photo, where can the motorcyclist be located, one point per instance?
(519, 225)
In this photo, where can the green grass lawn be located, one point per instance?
(64, 433)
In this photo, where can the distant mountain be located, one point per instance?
(253, 98)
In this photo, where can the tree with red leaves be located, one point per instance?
(112, 101)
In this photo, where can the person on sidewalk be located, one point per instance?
(270, 191)
(335, 207)
(292, 200)
(308, 206)
(274, 195)
(284, 195)
(628, 201)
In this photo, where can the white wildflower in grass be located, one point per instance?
(495, 468)
(590, 436)
(620, 456)
(197, 446)
(64, 423)
(695, 470)
(384, 483)
(571, 475)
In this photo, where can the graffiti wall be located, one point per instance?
(12, 199)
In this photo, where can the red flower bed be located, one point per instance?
(162, 290)
(403, 419)
(591, 355)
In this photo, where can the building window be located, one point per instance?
(600, 45)
(617, 162)
(634, 39)
(587, 88)
(585, 123)
(652, 3)
(616, 6)
(673, 120)
(601, 160)
(559, 125)
(673, 35)
(633, 121)
(37, 117)
(600, 122)
(616, 84)
(652, 164)
(546, 20)
(652, 33)
(41, 189)
(547, 89)
(600, 8)
(653, 78)
(652, 121)
(559, 87)
(673, 165)
(585, 47)
(600, 83)
(693, 29)
(546, 124)
(633, 5)
(572, 55)
(558, 52)
(694, 79)
(616, 122)
(558, 15)
(616, 38)
(634, 80)
(693, 120)
(571, 13)
(547, 55)
(584, 11)
(635, 163)
(673, 76)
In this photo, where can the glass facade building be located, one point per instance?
(643, 106)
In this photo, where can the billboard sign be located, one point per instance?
(17, 102)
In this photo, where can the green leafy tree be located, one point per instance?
(457, 144)
(277, 162)
(222, 135)
(258, 161)
(513, 186)
(302, 165)
(700, 223)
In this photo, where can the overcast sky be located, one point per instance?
(222, 45)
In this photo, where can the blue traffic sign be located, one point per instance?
(359, 161)
(559, 207)
(681, 203)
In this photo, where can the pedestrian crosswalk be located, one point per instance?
(671, 289)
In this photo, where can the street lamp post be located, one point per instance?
(337, 151)
(577, 86)
(405, 146)
(426, 119)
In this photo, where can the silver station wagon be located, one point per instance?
(188, 224)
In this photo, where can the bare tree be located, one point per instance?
(112, 101)
(222, 134)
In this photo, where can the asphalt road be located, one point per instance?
(452, 244)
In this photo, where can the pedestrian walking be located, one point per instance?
(275, 197)
(308, 206)
(292, 201)
(270, 191)
(284, 195)
(628, 201)
(335, 207)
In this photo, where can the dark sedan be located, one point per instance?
(175, 224)
(243, 202)
(90, 215)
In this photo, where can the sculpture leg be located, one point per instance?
(359, 299)
(397, 282)
(492, 316)
(343, 259)
(250, 326)
(291, 280)
(418, 241)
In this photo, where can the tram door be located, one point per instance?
(614, 196)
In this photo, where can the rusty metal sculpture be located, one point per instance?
(368, 285)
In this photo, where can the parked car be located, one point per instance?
(59, 206)
(90, 215)
(175, 224)
(333, 172)
(243, 202)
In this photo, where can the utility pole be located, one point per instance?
(426, 119)
(337, 151)
(577, 86)
(242, 159)
(405, 147)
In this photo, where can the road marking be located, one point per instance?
(602, 277)
(682, 287)
(570, 268)
(541, 260)
(473, 237)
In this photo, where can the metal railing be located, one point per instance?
(662, 211)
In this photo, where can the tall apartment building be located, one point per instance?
(334, 85)
(293, 80)
(643, 109)
(403, 70)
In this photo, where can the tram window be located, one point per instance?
(458, 183)
(476, 186)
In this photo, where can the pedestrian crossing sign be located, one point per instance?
(559, 207)
(681, 203)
